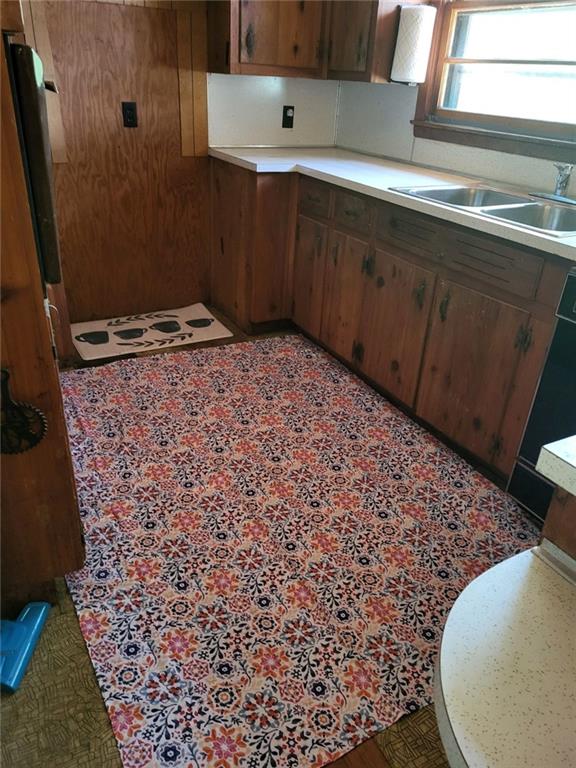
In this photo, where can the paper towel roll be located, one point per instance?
(413, 43)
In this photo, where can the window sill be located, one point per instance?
(500, 141)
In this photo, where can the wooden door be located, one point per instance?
(396, 307)
(309, 265)
(470, 362)
(350, 37)
(283, 34)
(41, 532)
(343, 288)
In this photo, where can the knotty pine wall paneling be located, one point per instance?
(132, 203)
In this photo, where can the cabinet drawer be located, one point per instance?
(314, 197)
(353, 212)
(410, 231)
(494, 262)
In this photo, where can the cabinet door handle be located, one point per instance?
(313, 198)
(318, 245)
(496, 445)
(443, 308)
(420, 294)
(335, 251)
(368, 264)
(351, 212)
(249, 41)
(523, 340)
(357, 352)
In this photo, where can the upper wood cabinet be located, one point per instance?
(340, 40)
(351, 38)
(267, 37)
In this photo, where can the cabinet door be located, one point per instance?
(283, 34)
(233, 204)
(470, 362)
(309, 259)
(343, 288)
(395, 312)
(350, 37)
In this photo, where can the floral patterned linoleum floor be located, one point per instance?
(272, 552)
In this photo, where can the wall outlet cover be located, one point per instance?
(287, 116)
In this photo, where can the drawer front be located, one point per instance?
(494, 262)
(314, 197)
(410, 231)
(353, 212)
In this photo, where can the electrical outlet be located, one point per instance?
(287, 116)
(129, 114)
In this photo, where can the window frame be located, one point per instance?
(554, 141)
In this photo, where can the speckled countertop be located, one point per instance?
(505, 694)
(375, 176)
(557, 462)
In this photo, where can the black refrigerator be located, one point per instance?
(29, 93)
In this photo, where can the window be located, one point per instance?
(504, 77)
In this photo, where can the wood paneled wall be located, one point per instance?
(132, 203)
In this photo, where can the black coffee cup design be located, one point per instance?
(202, 322)
(168, 326)
(131, 333)
(93, 337)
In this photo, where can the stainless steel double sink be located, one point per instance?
(549, 218)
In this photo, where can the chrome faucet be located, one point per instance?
(562, 178)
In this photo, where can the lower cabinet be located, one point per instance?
(309, 268)
(251, 243)
(451, 322)
(393, 321)
(343, 290)
(472, 351)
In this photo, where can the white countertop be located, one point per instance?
(374, 176)
(508, 669)
(557, 462)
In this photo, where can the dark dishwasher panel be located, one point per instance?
(553, 414)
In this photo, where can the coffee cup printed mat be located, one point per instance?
(163, 329)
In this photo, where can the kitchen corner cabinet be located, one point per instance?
(251, 270)
(452, 323)
(267, 37)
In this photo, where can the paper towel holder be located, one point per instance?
(413, 44)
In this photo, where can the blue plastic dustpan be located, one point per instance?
(17, 642)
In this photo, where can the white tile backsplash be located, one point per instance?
(522, 171)
(376, 118)
(246, 110)
(371, 118)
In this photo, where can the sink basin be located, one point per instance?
(464, 197)
(558, 220)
